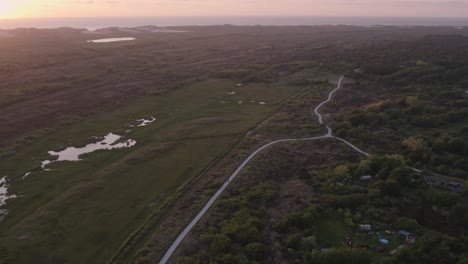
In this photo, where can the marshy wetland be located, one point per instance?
(192, 130)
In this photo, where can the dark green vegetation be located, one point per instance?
(296, 203)
(411, 115)
(414, 101)
(243, 226)
(314, 215)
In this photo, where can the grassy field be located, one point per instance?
(81, 212)
(331, 230)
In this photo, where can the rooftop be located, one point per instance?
(405, 233)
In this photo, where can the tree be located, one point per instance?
(459, 216)
(342, 171)
(255, 251)
(309, 243)
(401, 175)
(220, 244)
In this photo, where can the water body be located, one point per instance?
(4, 193)
(106, 40)
(27, 174)
(74, 154)
(104, 22)
(146, 122)
(168, 31)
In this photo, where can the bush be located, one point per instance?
(255, 251)
(341, 256)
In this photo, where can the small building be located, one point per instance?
(239, 85)
(366, 227)
(365, 178)
(404, 233)
(384, 241)
(409, 238)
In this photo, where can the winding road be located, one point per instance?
(207, 206)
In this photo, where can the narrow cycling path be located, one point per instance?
(207, 206)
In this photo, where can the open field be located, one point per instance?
(69, 208)
(49, 76)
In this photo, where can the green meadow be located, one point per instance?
(82, 212)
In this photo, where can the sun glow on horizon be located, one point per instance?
(12, 9)
(6, 9)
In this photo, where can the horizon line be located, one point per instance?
(227, 16)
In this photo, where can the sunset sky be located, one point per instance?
(83, 8)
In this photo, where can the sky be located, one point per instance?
(84, 8)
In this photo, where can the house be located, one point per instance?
(365, 227)
(409, 238)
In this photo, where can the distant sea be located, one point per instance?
(103, 22)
